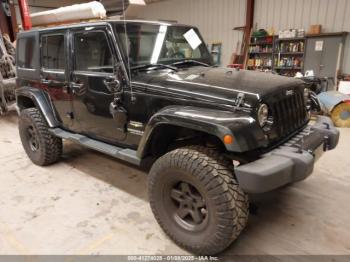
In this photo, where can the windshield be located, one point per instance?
(161, 44)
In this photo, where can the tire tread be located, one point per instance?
(215, 173)
(51, 147)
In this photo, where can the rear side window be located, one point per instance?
(92, 52)
(27, 52)
(53, 56)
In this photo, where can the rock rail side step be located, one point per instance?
(127, 155)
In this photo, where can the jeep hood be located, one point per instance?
(219, 85)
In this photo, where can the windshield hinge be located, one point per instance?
(239, 100)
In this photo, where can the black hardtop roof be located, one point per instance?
(102, 22)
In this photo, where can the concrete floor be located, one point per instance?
(92, 204)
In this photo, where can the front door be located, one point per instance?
(53, 72)
(93, 67)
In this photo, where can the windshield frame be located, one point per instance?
(207, 60)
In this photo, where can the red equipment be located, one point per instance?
(26, 21)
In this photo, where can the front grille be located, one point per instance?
(289, 114)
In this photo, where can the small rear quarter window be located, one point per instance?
(27, 52)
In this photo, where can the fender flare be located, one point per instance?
(41, 101)
(214, 122)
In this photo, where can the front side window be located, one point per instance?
(151, 44)
(92, 52)
(53, 56)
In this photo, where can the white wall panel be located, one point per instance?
(214, 18)
(333, 15)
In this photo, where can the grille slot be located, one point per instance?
(289, 114)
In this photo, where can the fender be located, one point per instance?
(41, 101)
(245, 130)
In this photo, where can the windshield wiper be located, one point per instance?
(190, 61)
(155, 66)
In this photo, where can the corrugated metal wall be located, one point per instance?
(333, 15)
(214, 18)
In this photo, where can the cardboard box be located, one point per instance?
(315, 29)
(135, 8)
(344, 87)
(290, 33)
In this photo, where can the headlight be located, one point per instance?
(263, 114)
(306, 95)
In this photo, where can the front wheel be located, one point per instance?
(196, 200)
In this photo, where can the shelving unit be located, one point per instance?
(260, 53)
(289, 55)
(285, 56)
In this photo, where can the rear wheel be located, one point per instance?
(41, 146)
(196, 199)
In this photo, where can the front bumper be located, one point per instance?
(291, 162)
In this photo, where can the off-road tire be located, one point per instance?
(211, 173)
(49, 148)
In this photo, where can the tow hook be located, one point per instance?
(327, 126)
(326, 143)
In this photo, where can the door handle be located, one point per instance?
(76, 87)
(66, 89)
(46, 81)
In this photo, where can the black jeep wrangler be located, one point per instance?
(148, 92)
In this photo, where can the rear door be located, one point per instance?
(53, 73)
(93, 66)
